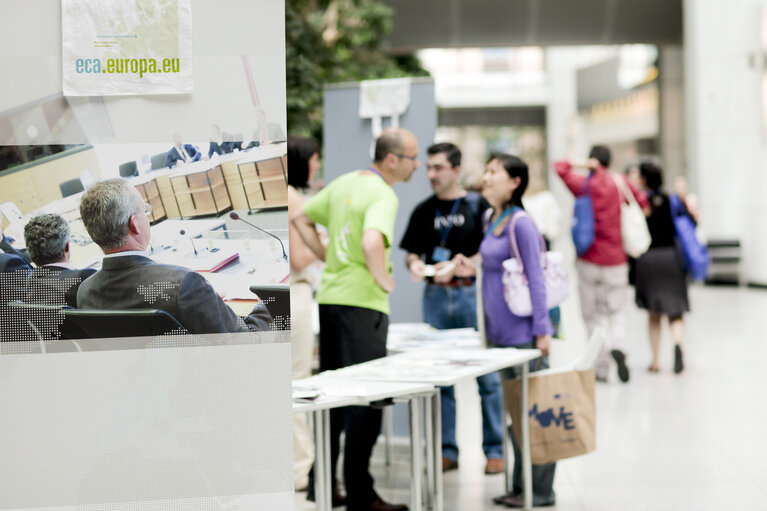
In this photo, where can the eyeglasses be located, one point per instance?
(411, 158)
(147, 209)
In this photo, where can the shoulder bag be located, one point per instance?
(516, 290)
(634, 231)
(583, 230)
(695, 254)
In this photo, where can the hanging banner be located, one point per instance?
(126, 47)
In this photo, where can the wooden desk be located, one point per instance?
(200, 191)
(263, 177)
(149, 190)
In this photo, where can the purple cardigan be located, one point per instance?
(502, 327)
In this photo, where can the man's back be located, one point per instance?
(55, 285)
(137, 282)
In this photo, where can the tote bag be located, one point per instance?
(634, 232)
(562, 413)
(695, 254)
(516, 290)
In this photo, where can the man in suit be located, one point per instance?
(14, 273)
(5, 246)
(114, 215)
(181, 153)
(54, 281)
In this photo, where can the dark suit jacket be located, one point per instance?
(55, 285)
(14, 273)
(5, 246)
(224, 148)
(137, 282)
(172, 156)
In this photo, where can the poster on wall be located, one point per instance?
(118, 47)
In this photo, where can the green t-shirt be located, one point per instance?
(348, 206)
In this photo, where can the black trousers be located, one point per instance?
(351, 335)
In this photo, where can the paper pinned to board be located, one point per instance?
(114, 47)
(383, 98)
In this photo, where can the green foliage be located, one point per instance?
(332, 41)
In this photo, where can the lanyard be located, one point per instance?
(374, 171)
(501, 218)
(444, 231)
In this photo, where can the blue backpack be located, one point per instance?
(583, 229)
(694, 253)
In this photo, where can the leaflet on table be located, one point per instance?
(401, 339)
(202, 260)
(114, 47)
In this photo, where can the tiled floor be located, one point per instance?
(695, 442)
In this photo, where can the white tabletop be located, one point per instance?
(438, 366)
(331, 385)
(323, 403)
(262, 153)
(169, 230)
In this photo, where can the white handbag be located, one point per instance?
(516, 290)
(634, 232)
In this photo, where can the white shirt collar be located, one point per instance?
(61, 265)
(143, 253)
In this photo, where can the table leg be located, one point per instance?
(429, 438)
(322, 484)
(416, 455)
(527, 469)
(436, 420)
(506, 447)
(388, 427)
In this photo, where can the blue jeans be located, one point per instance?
(455, 307)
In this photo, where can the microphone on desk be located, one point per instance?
(234, 216)
(182, 232)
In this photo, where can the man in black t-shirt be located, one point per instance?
(443, 231)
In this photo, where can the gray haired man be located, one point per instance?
(114, 213)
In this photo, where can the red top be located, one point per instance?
(607, 249)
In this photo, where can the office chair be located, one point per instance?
(97, 323)
(158, 161)
(34, 322)
(277, 300)
(71, 187)
(129, 169)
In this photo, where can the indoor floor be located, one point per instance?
(694, 441)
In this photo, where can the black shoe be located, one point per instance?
(678, 362)
(379, 505)
(623, 370)
(337, 500)
(519, 501)
(506, 497)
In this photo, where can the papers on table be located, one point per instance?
(437, 366)
(409, 336)
(205, 260)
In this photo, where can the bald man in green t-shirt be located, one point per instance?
(358, 210)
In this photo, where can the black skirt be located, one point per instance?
(661, 283)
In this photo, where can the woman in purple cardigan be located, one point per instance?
(504, 183)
